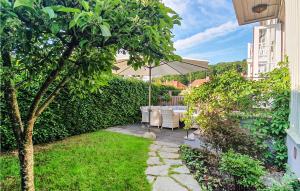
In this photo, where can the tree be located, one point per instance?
(216, 69)
(56, 41)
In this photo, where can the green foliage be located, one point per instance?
(203, 165)
(101, 161)
(116, 103)
(213, 70)
(288, 182)
(275, 90)
(166, 97)
(78, 40)
(245, 170)
(38, 32)
(214, 102)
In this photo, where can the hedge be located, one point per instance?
(117, 103)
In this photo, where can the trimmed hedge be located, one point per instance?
(117, 103)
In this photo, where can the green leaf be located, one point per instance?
(49, 11)
(68, 10)
(72, 24)
(55, 28)
(105, 30)
(25, 3)
(82, 43)
(85, 5)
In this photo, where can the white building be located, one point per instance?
(287, 14)
(266, 49)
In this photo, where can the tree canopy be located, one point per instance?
(47, 43)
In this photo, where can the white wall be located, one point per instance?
(292, 32)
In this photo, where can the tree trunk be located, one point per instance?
(26, 160)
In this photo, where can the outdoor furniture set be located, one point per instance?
(163, 116)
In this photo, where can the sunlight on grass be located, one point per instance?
(95, 161)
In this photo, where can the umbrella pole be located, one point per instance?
(149, 97)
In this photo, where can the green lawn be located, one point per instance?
(94, 161)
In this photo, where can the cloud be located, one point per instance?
(178, 6)
(206, 35)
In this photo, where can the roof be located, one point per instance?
(199, 82)
(245, 14)
(175, 84)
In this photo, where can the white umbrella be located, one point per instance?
(184, 66)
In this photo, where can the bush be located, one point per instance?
(225, 134)
(288, 182)
(116, 103)
(275, 90)
(244, 170)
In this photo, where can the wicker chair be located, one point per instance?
(145, 115)
(155, 118)
(169, 119)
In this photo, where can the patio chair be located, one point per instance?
(169, 119)
(155, 118)
(145, 115)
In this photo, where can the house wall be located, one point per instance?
(292, 39)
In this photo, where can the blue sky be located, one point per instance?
(209, 30)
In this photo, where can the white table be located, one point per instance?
(181, 113)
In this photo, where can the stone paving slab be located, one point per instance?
(167, 155)
(181, 170)
(161, 143)
(161, 170)
(169, 149)
(172, 174)
(151, 179)
(167, 184)
(173, 162)
(155, 147)
(187, 180)
(154, 161)
(152, 154)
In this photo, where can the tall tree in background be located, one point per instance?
(52, 42)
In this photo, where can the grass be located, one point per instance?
(94, 161)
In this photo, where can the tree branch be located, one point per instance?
(49, 80)
(12, 101)
(51, 97)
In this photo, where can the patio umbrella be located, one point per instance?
(184, 66)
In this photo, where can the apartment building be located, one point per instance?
(277, 35)
(266, 49)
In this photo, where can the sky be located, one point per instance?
(209, 30)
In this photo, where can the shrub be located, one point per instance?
(288, 182)
(244, 170)
(215, 101)
(203, 165)
(116, 103)
(225, 134)
(275, 90)
(166, 97)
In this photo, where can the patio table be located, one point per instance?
(181, 113)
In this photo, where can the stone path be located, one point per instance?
(166, 171)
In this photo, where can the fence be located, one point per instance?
(175, 100)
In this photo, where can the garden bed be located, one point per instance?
(234, 172)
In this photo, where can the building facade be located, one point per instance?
(266, 49)
(282, 19)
